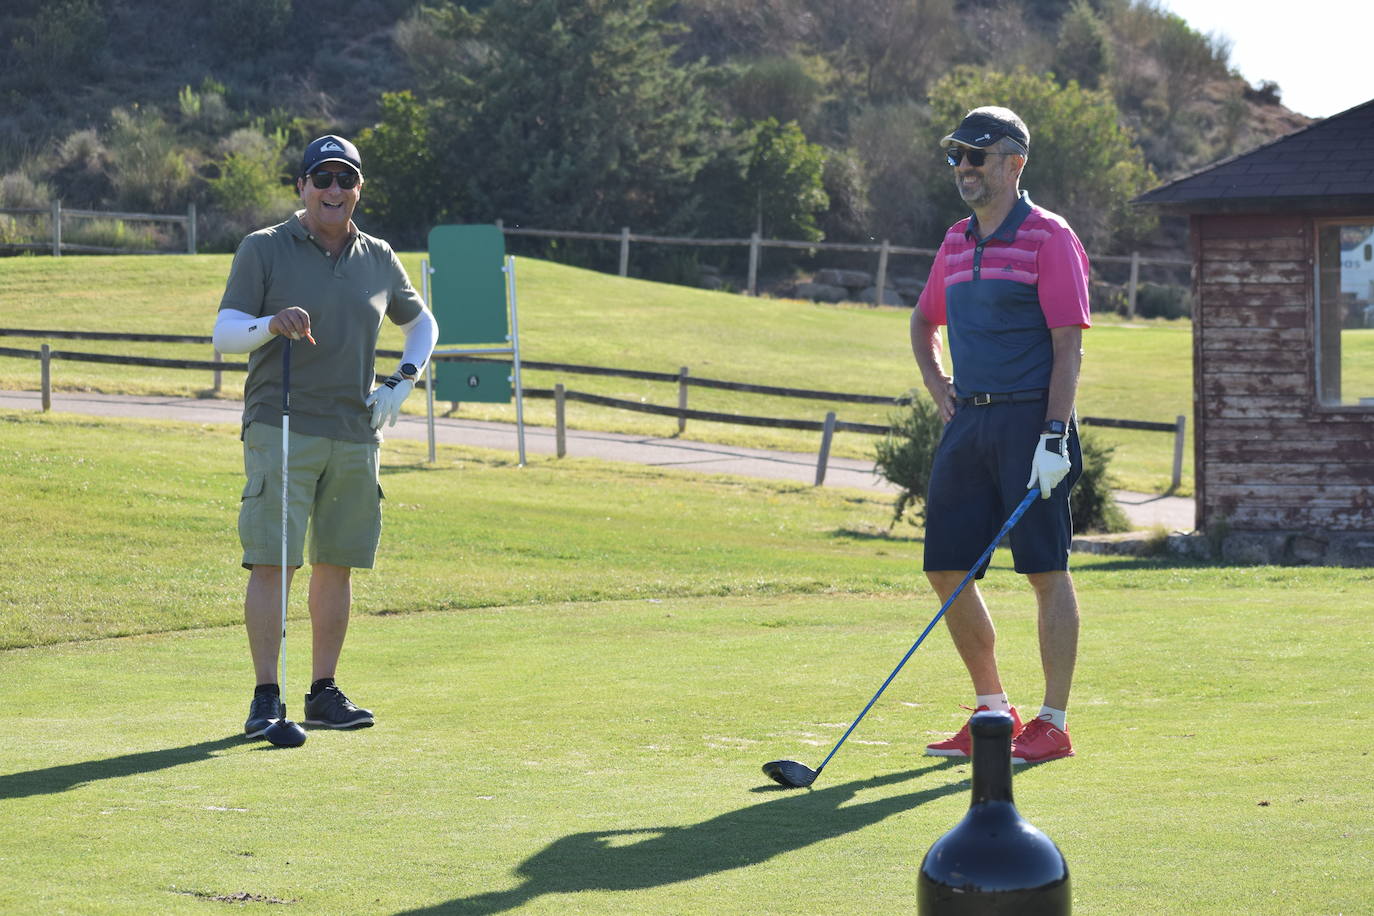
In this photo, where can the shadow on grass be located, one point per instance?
(51, 780)
(885, 534)
(635, 859)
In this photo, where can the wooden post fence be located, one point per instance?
(753, 263)
(682, 400)
(45, 375)
(560, 428)
(1131, 287)
(1180, 428)
(824, 457)
(882, 273)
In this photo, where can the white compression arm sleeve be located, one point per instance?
(422, 333)
(240, 332)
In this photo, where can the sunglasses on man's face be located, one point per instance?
(324, 178)
(976, 157)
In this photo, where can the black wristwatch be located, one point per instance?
(408, 371)
(1054, 428)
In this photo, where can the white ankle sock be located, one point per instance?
(997, 702)
(1057, 717)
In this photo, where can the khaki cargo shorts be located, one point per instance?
(333, 484)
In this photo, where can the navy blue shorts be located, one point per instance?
(979, 477)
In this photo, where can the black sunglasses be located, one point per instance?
(324, 178)
(976, 157)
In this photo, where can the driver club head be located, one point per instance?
(285, 733)
(789, 773)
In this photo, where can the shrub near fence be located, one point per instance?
(684, 379)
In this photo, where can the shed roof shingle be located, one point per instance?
(1330, 158)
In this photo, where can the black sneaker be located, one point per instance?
(265, 710)
(332, 709)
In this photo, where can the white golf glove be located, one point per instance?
(386, 400)
(1051, 463)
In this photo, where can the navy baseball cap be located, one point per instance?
(982, 128)
(330, 148)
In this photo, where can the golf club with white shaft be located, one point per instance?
(284, 732)
(798, 776)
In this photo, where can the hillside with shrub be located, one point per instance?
(799, 119)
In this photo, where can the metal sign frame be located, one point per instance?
(513, 350)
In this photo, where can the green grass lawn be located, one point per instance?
(578, 670)
(574, 316)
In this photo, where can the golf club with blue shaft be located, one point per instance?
(284, 732)
(795, 775)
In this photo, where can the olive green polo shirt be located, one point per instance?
(347, 298)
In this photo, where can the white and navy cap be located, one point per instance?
(983, 127)
(330, 148)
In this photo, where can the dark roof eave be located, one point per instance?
(1299, 165)
(1335, 205)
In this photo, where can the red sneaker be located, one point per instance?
(1039, 741)
(961, 745)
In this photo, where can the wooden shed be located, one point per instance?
(1282, 242)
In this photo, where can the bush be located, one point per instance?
(150, 171)
(20, 192)
(1154, 300)
(904, 458)
(905, 454)
(112, 233)
(1092, 502)
(249, 192)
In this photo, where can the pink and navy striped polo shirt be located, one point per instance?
(1000, 296)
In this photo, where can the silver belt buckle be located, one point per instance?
(982, 400)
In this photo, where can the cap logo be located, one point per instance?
(982, 138)
(331, 147)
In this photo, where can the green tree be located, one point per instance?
(774, 87)
(1083, 164)
(783, 187)
(566, 113)
(890, 49)
(250, 27)
(400, 170)
(61, 40)
(1084, 53)
(1188, 60)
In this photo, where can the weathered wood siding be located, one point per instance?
(1268, 457)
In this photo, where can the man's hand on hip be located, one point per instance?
(387, 398)
(1050, 464)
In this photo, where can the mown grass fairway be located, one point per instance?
(1137, 372)
(578, 670)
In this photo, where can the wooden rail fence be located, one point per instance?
(57, 215)
(756, 244)
(683, 378)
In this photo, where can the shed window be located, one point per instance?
(1345, 312)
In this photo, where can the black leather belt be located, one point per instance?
(1007, 397)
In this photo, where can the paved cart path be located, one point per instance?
(1145, 511)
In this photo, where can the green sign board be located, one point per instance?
(467, 285)
(472, 382)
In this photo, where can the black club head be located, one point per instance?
(789, 773)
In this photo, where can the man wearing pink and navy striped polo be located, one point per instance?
(1011, 285)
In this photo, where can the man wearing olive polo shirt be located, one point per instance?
(1011, 285)
(316, 278)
